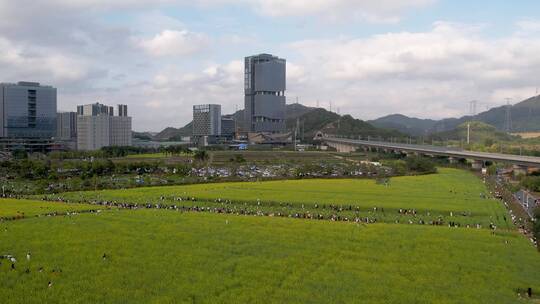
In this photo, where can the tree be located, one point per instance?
(201, 155)
(531, 182)
(239, 158)
(420, 164)
(19, 154)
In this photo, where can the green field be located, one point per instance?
(272, 157)
(159, 256)
(156, 155)
(432, 196)
(171, 256)
(13, 208)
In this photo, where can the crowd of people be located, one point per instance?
(332, 212)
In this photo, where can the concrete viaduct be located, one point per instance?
(521, 163)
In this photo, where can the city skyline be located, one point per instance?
(423, 58)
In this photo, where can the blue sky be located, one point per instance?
(424, 58)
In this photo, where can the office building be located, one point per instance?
(121, 128)
(97, 127)
(95, 109)
(66, 125)
(228, 126)
(264, 87)
(27, 111)
(206, 120)
(66, 130)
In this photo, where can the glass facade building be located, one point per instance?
(264, 87)
(27, 110)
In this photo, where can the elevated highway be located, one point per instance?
(348, 145)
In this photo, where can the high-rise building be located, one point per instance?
(122, 110)
(206, 120)
(95, 109)
(27, 110)
(66, 125)
(228, 126)
(264, 87)
(97, 127)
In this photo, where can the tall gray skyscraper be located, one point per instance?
(264, 87)
(27, 110)
(207, 120)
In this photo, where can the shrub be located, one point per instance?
(420, 164)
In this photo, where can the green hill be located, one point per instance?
(409, 125)
(525, 117)
(171, 133)
(331, 123)
(292, 111)
(480, 132)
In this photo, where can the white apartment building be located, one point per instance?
(97, 127)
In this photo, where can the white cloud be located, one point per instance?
(174, 43)
(427, 74)
(20, 62)
(368, 10)
(529, 25)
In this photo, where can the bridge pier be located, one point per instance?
(477, 164)
(342, 148)
(411, 154)
(452, 160)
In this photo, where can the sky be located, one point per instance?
(422, 58)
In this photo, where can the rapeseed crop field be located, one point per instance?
(160, 256)
(451, 195)
(163, 253)
(24, 208)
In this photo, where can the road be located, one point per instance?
(527, 201)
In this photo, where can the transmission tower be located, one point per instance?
(508, 120)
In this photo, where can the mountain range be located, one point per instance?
(524, 117)
(310, 121)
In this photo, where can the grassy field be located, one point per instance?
(14, 208)
(224, 157)
(432, 196)
(160, 256)
(156, 155)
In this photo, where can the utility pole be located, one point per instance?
(303, 128)
(468, 133)
(296, 133)
(508, 120)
